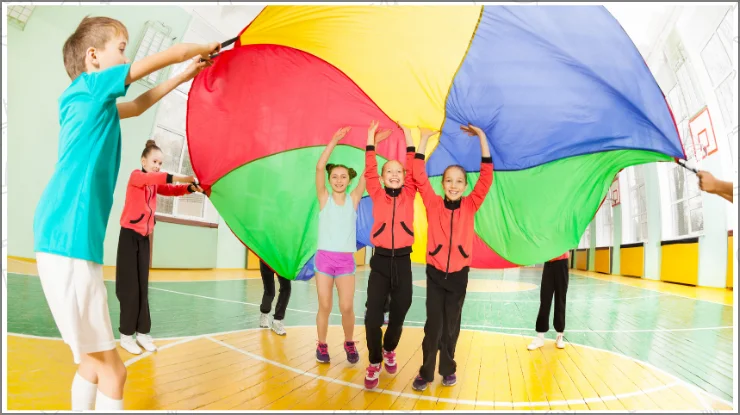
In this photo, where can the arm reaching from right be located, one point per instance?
(710, 184)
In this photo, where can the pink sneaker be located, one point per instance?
(372, 376)
(389, 360)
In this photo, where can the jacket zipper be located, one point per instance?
(148, 199)
(393, 239)
(449, 251)
(393, 229)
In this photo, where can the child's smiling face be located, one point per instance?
(454, 183)
(393, 174)
(339, 179)
(152, 163)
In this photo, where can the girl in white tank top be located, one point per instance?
(334, 261)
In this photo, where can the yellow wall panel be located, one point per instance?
(253, 262)
(360, 257)
(680, 263)
(582, 260)
(603, 260)
(729, 262)
(632, 262)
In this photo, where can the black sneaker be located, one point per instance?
(322, 353)
(419, 384)
(352, 355)
(450, 380)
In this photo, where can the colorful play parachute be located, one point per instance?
(563, 94)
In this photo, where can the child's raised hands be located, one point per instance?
(340, 134)
(382, 135)
(427, 132)
(372, 129)
(472, 130)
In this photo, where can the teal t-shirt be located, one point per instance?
(72, 215)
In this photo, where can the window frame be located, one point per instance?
(176, 217)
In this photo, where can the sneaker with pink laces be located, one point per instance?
(322, 353)
(372, 376)
(352, 355)
(389, 361)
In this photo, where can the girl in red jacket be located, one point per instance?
(450, 242)
(390, 267)
(132, 262)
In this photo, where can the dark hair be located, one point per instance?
(456, 166)
(150, 145)
(330, 167)
(91, 32)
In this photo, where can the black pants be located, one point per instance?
(268, 283)
(132, 282)
(445, 299)
(386, 306)
(554, 281)
(380, 286)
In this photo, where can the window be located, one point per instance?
(155, 38)
(19, 15)
(604, 225)
(717, 58)
(637, 203)
(685, 100)
(169, 133)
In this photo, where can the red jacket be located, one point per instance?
(141, 199)
(564, 256)
(450, 232)
(393, 209)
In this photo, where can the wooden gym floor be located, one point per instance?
(632, 345)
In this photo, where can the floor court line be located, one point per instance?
(464, 325)
(438, 399)
(572, 271)
(183, 340)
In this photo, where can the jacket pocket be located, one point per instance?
(436, 251)
(379, 231)
(137, 220)
(406, 228)
(459, 247)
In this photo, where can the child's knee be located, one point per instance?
(346, 308)
(325, 306)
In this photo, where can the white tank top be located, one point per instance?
(338, 226)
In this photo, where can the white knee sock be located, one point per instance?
(105, 403)
(83, 394)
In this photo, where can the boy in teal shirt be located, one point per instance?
(72, 215)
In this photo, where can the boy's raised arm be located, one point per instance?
(145, 101)
(175, 54)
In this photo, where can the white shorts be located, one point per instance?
(78, 301)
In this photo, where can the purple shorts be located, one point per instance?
(334, 264)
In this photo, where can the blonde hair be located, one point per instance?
(92, 32)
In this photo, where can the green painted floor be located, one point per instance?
(691, 339)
